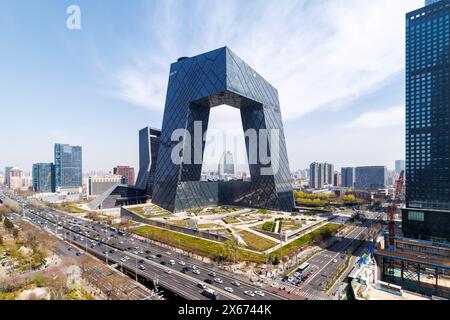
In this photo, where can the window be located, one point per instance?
(416, 216)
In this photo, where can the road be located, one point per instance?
(146, 259)
(327, 265)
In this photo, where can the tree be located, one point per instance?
(8, 224)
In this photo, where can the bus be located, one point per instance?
(303, 268)
(211, 294)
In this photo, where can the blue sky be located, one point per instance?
(338, 66)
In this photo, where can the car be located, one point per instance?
(260, 293)
(127, 258)
(141, 261)
(169, 253)
(159, 255)
(258, 284)
(291, 279)
(212, 274)
(182, 263)
(208, 281)
(218, 280)
(275, 284)
(236, 283)
(335, 261)
(201, 285)
(249, 293)
(228, 289)
(297, 274)
(168, 271)
(163, 263)
(151, 257)
(197, 272)
(193, 267)
(172, 262)
(123, 260)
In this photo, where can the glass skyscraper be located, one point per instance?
(427, 213)
(196, 85)
(44, 177)
(370, 178)
(348, 177)
(68, 166)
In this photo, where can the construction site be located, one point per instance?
(400, 267)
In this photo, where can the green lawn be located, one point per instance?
(230, 220)
(195, 245)
(256, 242)
(316, 237)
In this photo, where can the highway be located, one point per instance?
(147, 259)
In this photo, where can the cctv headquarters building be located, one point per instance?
(196, 85)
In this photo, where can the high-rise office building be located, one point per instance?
(126, 172)
(399, 166)
(68, 166)
(321, 175)
(8, 175)
(337, 179)
(226, 165)
(44, 177)
(371, 178)
(348, 177)
(427, 212)
(149, 142)
(16, 179)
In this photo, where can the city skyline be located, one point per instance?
(109, 78)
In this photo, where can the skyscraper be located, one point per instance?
(126, 172)
(371, 178)
(399, 166)
(44, 177)
(427, 212)
(348, 177)
(149, 142)
(321, 174)
(226, 165)
(68, 166)
(8, 175)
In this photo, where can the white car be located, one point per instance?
(275, 285)
(235, 283)
(249, 293)
(168, 271)
(335, 260)
(197, 272)
(172, 262)
(127, 258)
(260, 293)
(218, 280)
(181, 263)
(228, 289)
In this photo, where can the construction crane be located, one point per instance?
(392, 209)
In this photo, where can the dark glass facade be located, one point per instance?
(195, 86)
(44, 177)
(348, 177)
(427, 213)
(68, 166)
(370, 178)
(149, 141)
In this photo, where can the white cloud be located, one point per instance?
(379, 119)
(319, 54)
